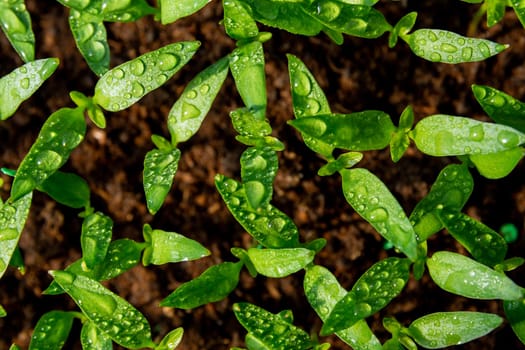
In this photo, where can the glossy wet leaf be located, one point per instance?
(111, 11)
(502, 108)
(3, 313)
(515, 314)
(160, 167)
(342, 17)
(238, 22)
(170, 247)
(344, 161)
(484, 244)
(450, 191)
(12, 220)
(443, 46)
(308, 99)
(127, 83)
(92, 338)
(94, 112)
(268, 225)
(95, 238)
(443, 329)
(111, 314)
(67, 188)
(212, 285)
(445, 135)
(246, 122)
(461, 275)
(61, 133)
(495, 11)
(258, 170)
(22, 82)
(497, 165)
(171, 340)
(170, 10)
(90, 37)
(15, 22)
(280, 262)
(122, 255)
(400, 139)
(270, 329)
(323, 291)
(51, 330)
(373, 291)
(519, 8)
(247, 67)
(360, 131)
(187, 114)
(402, 27)
(371, 199)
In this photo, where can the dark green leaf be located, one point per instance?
(15, 21)
(51, 330)
(515, 313)
(258, 170)
(246, 122)
(402, 27)
(238, 22)
(495, 11)
(95, 238)
(171, 340)
(67, 188)
(344, 161)
(519, 8)
(92, 338)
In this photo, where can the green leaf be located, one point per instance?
(445, 135)
(67, 188)
(92, 338)
(269, 329)
(502, 108)
(247, 66)
(12, 219)
(323, 291)
(246, 122)
(450, 192)
(360, 131)
(371, 199)
(268, 225)
(3, 313)
(461, 275)
(51, 330)
(122, 255)
(212, 285)
(238, 22)
(160, 167)
(171, 340)
(497, 165)
(15, 22)
(91, 39)
(125, 10)
(443, 329)
(95, 238)
(373, 291)
(258, 170)
(111, 314)
(519, 8)
(400, 139)
(443, 46)
(515, 313)
(344, 161)
(22, 82)
(170, 10)
(170, 247)
(495, 11)
(61, 133)
(187, 114)
(402, 27)
(280, 262)
(127, 83)
(94, 112)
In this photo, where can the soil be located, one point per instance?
(360, 74)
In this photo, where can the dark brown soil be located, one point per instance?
(360, 74)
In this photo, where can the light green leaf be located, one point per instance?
(95, 239)
(238, 22)
(92, 338)
(15, 22)
(170, 10)
(280, 262)
(51, 330)
(171, 340)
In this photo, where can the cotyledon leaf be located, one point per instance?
(170, 10)
(160, 166)
(15, 22)
(67, 188)
(51, 330)
(258, 170)
(323, 291)
(12, 220)
(61, 133)
(95, 238)
(22, 82)
(127, 83)
(360, 131)
(308, 99)
(171, 340)
(270, 329)
(515, 314)
(187, 114)
(444, 135)
(461, 275)
(371, 199)
(450, 191)
(280, 262)
(497, 165)
(519, 8)
(91, 40)
(495, 11)
(111, 10)
(238, 22)
(92, 338)
(268, 225)
(373, 291)
(500, 107)
(443, 46)
(111, 314)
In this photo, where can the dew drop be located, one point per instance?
(191, 94)
(328, 10)
(435, 57)
(137, 90)
(446, 47)
(118, 73)
(138, 67)
(24, 83)
(277, 224)
(432, 36)
(167, 61)
(497, 101)
(362, 290)
(466, 53)
(312, 107)
(8, 234)
(97, 50)
(476, 133)
(508, 138)
(378, 215)
(302, 85)
(160, 79)
(3, 265)
(235, 201)
(461, 41)
(255, 192)
(48, 160)
(86, 32)
(204, 89)
(484, 49)
(230, 185)
(363, 309)
(189, 111)
(314, 126)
